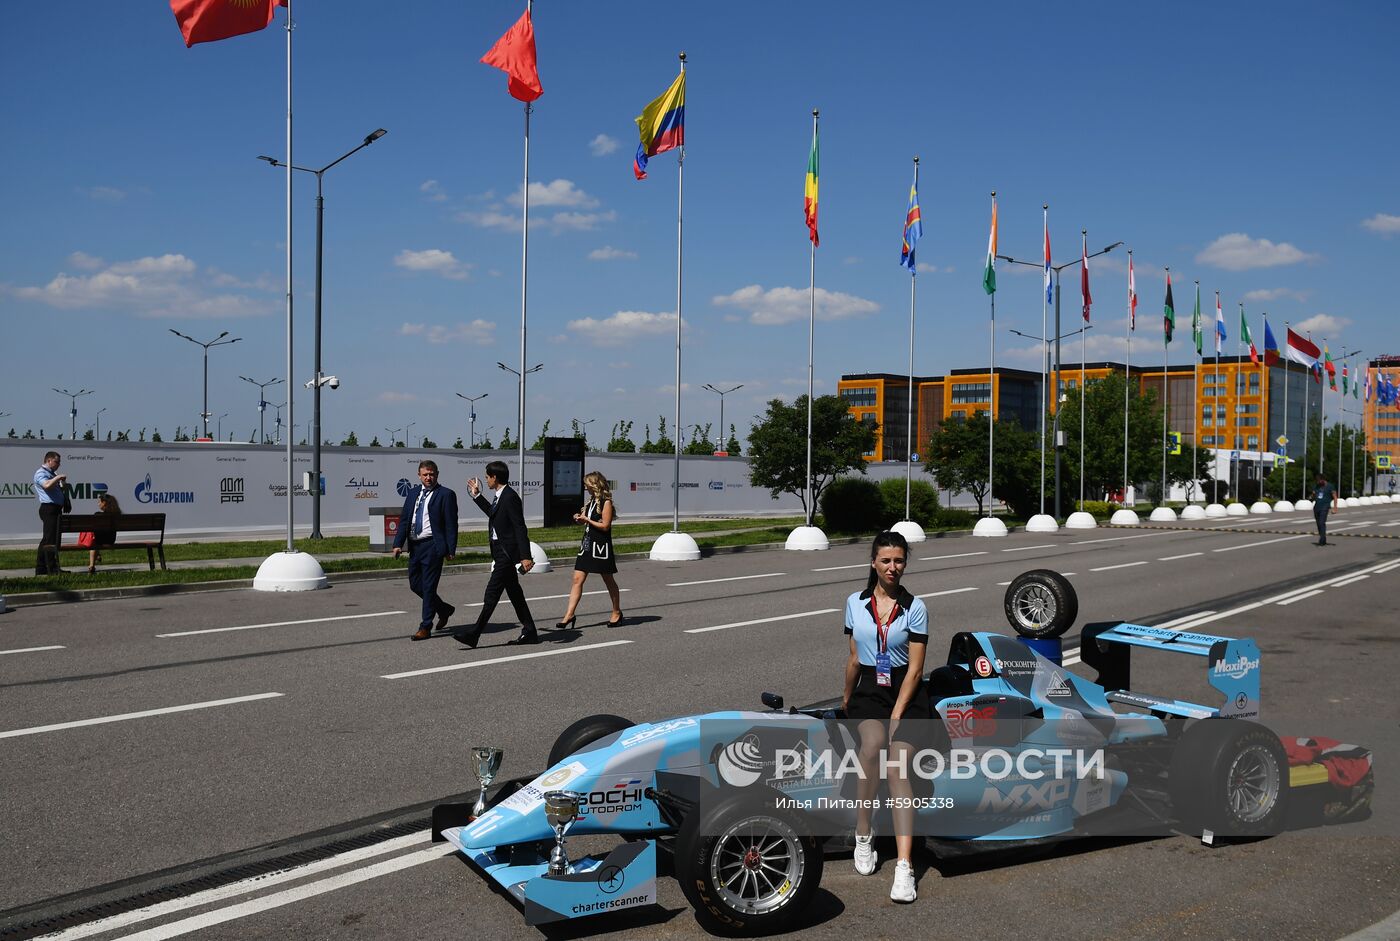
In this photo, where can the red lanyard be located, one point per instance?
(882, 631)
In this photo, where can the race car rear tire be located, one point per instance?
(1040, 604)
(585, 732)
(1229, 776)
(746, 867)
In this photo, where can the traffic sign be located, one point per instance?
(1234, 455)
(1282, 440)
(1382, 460)
(1176, 442)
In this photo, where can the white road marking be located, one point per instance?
(1387, 568)
(32, 649)
(1173, 558)
(735, 578)
(251, 627)
(1089, 542)
(288, 896)
(1354, 578)
(1003, 583)
(781, 617)
(1198, 621)
(1120, 565)
(1265, 542)
(1170, 625)
(242, 887)
(1309, 594)
(102, 720)
(1396, 523)
(1028, 548)
(838, 568)
(494, 660)
(960, 555)
(950, 591)
(1253, 522)
(600, 591)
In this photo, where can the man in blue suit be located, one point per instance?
(428, 525)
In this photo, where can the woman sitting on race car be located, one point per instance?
(889, 635)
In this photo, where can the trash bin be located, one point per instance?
(383, 527)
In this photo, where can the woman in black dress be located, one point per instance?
(595, 554)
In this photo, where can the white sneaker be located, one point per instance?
(903, 889)
(865, 857)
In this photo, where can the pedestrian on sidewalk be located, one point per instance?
(53, 503)
(1324, 503)
(595, 553)
(428, 524)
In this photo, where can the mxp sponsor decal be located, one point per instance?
(231, 490)
(1236, 669)
(982, 667)
(147, 493)
(1024, 798)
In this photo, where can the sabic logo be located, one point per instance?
(403, 486)
(231, 490)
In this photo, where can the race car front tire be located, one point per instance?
(585, 732)
(1229, 776)
(746, 867)
(1040, 604)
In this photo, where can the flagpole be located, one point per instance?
(680, 230)
(291, 399)
(1083, 339)
(1321, 417)
(1215, 382)
(1239, 396)
(909, 413)
(1127, 381)
(811, 333)
(992, 394)
(1044, 359)
(1166, 349)
(524, 268)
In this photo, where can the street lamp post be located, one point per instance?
(262, 403)
(471, 404)
(408, 434)
(316, 392)
(583, 428)
(393, 436)
(217, 341)
(97, 435)
(520, 412)
(1059, 448)
(722, 393)
(219, 426)
(73, 408)
(277, 421)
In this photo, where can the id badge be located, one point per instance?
(882, 669)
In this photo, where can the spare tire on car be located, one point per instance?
(1041, 604)
(585, 732)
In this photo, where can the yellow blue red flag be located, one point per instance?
(662, 126)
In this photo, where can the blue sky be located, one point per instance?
(1241, 144)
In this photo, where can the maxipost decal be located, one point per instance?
(1236, 669)
(146, 492)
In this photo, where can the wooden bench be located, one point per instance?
(108, 526)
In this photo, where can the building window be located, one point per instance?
(972, 392)
(1253, 442)
(858, 397)
(1254, 383)
(1220, 413)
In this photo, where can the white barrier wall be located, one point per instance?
(216, 487)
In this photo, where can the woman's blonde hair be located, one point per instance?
(597, 485)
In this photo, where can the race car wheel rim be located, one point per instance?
(1253, 784)
(1034, 606)
(757, 865)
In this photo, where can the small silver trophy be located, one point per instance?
(486, 761)
(561, 810)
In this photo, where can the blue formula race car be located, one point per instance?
(744, 804)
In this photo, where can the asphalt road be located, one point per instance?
(317, 721)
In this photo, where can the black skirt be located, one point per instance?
(870, 700)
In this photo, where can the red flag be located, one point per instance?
(212, 20)
(1084, 278)
(514, 54)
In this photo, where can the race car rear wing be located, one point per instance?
(1232, 666)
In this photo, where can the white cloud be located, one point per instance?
(397, 397)
(1273, 294)
(578, 221)
(434, 260)
(478, 332)
(433, 190)
(555, 193)
(602, 145)
(787, 305)
(496, 218)
(153, 286)
(925, 267)
(1321, 325)
(608, 253)
(103, 194)
(624, 327)
(852, 260)
(1383, 223)
(1238, 252)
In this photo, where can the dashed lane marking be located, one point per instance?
(32, 649)
(103, 720)
(781, 617)
(252, 627)
(735, 578)
(470, 665)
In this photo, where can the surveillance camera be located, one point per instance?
(333, 382)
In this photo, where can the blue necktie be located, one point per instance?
(418, 513)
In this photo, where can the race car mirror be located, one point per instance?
(561, 810)
(486, 762)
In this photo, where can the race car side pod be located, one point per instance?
(1232, 666)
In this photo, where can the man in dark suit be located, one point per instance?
(510, 544)
(428, 525)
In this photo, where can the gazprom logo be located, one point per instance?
(1236, 669)
(146, 493)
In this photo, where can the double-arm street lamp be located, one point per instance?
(263, 403)
(217, 341)
(73, 408)
(520, 414)
(393, 436)
(722, 393)
(1059, 445)
(316, 391)
(471, 404)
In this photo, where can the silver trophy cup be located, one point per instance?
(486, 761)
(561, 810)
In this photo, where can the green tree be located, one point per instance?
(778, 446)
(700, 442)
(506, 443)
(621, 441)
(374, 442)
(544, 433)
(350, 441)
(124, 435)
(957, 458)
(89, 436)
(732, 445)
(12, 434)
(458, 445)
(428, 443)
(484, 444)
(155, 435)
(662, 444)
(577, 431)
